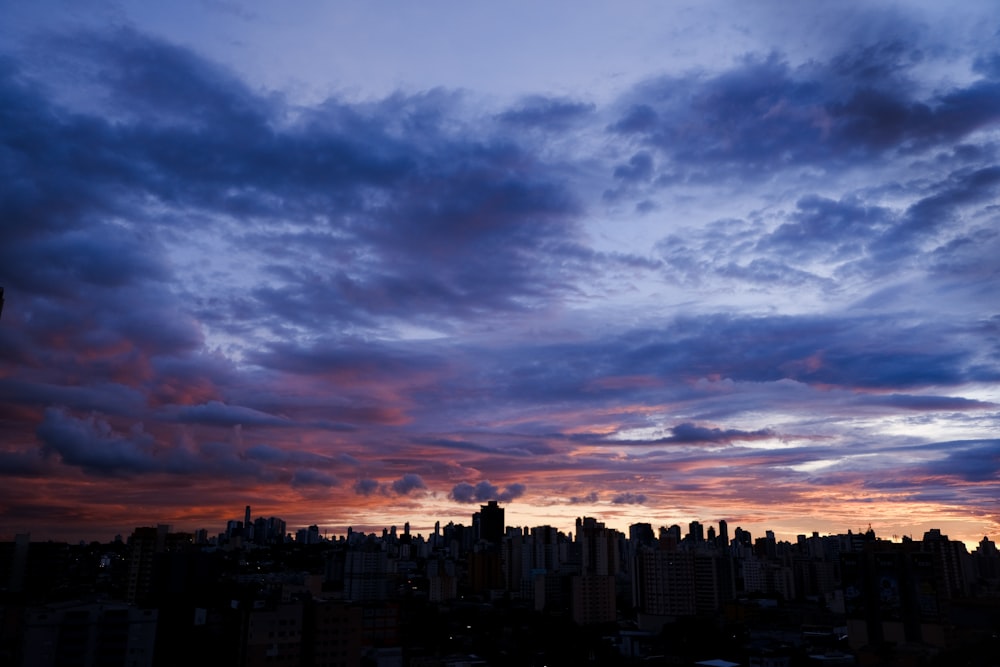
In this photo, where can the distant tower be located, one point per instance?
(246, 517)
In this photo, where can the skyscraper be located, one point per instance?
(491, 522)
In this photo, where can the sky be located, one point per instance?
(356, 264)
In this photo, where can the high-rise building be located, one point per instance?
(247, 526)
(491, 522)
(593, 590)
(366, 574)
(145, 543)
(696, 532)
(665, 583)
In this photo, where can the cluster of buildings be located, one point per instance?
(254, 595)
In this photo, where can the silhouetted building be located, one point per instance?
(145, 543)
(696, 532)
(491, 522)
(593, 590)
(986, 564)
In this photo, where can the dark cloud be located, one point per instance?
(692, 433)
(833, 230)
(220, 414)
(550, 113)
(407, 484)
(275, 455)
(212, 281)
(22, 464)
(938, 210)
(859, 351)
(484, 491)
(971, 461)
(494, 214)
(765, 115)
(366, 487)
(93, 445)
(629, 498)
(639, 168)
(313, 478)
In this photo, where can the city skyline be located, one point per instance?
(356, 265)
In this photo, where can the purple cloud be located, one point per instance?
(407, 484)
(484, 491)
(629, 498)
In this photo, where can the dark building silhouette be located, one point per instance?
(491, 522)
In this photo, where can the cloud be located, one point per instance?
(92, 444)
(484, 491)
(639, 168)
(971, 461)
(313, 478)
(547, 113)
(766, 115)
(407, 484)
(692, 433)
(629, 498)
(212, 279)
(221, 414)
(366, 487)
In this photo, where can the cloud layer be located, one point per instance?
(763, 290)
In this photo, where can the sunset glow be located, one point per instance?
(664, 262)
